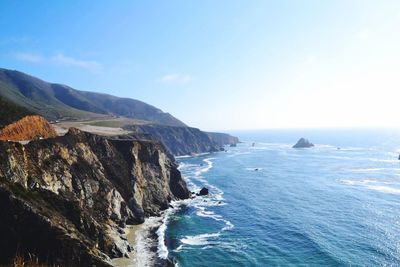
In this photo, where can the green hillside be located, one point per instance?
(56, 101)
(9, 112)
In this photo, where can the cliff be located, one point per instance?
(66, 199)
(222, 139)
(181, 140)
(28, 128)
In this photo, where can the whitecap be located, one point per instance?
(384, 189)
(199, 240)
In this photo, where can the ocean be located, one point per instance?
(336, 204)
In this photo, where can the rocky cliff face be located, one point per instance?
(67, 199)
(28, 128)
(222, 139)
(182, 140)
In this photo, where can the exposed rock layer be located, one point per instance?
(28, 128)
(65, 199)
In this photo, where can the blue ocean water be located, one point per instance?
(322, 206)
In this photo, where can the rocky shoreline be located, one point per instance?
(67, 199)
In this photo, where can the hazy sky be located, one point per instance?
(219, 64)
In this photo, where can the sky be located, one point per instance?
(219, 65)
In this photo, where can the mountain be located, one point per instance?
(24, 94)
(66, 200)
(57, 101)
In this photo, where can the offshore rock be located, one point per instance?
(303, 143)
(203, 192)
(65, 199)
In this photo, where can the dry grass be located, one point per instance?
(19, 261)
(32, 261)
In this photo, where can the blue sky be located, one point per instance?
(219, 64)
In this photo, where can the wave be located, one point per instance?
(374, 169)
(380, 186)
(199, 240)
(206, 168)
(193, 155)
(202, 212)
(385, 189)
(144, 243)
(194, 175)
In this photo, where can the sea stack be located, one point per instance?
(303, 143)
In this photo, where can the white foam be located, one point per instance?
(194, 176)
(358, 182)
(206, 168)
(144, 255)
(162, 248)
(199, 240)
(385, 189)
(374, 185)
(202, 212)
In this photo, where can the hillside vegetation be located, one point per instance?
(56, 101)
(28, 128)
(10, 112)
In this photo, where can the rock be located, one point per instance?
(203, 192)
(303, 143)
(232, 145)
(65, 198)
(181, 140)
(28, 128)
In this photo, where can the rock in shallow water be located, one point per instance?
(203, 192)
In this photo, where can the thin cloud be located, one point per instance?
(16, 41)
(29, 57)
(67, 61)
(59, 60)
(176, 78)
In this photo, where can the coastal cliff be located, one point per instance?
(67, 199)
(182, 140)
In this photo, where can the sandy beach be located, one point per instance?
(131, 234)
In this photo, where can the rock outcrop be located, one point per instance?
(182, 140)
(303, 143)
(222, 139)
(28, 128)
(66, 199)
(203, 192)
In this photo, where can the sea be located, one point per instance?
(336, 204)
